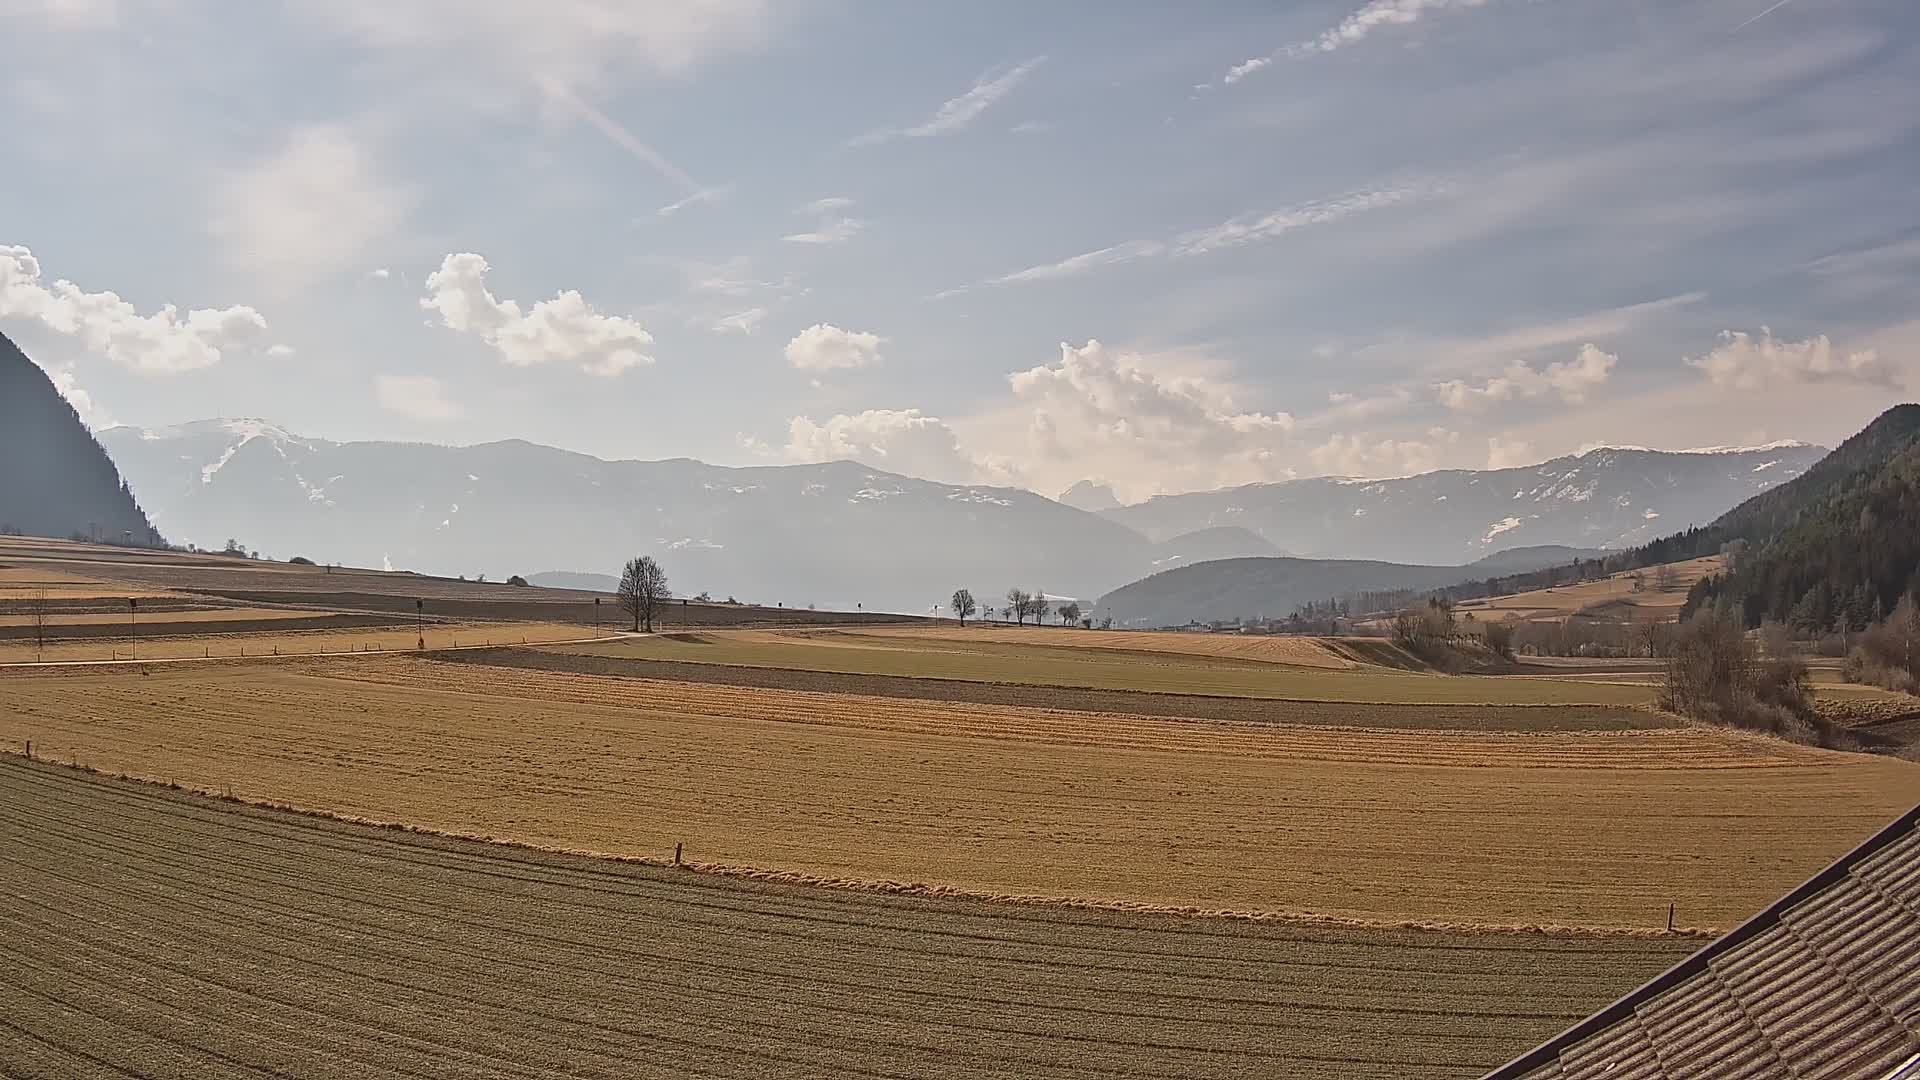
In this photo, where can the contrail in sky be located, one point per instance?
(621, 137)
(1762, 15)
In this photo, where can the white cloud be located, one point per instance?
(1370, 457)
(1744, 362)
(1509, 453)
(564, 329)
(1355, 27)
(1251, 228)
(698, 198)
(90, 412)
(1241, 230)
(578, 38)
(957, 113)
(904, 441)
(741, 322)
(381, 273)
(832, 231)
(309, 209)
(165, 342)
(825, 347)
(1100, 411)
(1080, 264)
(418, 396)
(827, 205)
(280, 352)
(1572, 380)
(66, 14)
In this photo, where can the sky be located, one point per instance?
(1164, 247)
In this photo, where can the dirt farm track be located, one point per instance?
(161, 934)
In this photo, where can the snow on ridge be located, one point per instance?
(1777, 444)
(1503, 525)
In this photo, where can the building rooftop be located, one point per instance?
(1824, 983)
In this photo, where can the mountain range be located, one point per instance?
(843, 534)
(1611, 497)
(55, 480)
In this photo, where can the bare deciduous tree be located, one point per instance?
(1070, 613)
(643, 590)
(964, 604)
(1018, 604)
(37, 607)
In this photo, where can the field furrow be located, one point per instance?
(159, 933)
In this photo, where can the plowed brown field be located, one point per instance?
(156, 933)
(1506, 828)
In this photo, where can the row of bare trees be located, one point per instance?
(1021, 606)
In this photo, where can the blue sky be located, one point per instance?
(1165, 246)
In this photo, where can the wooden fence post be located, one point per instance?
(1669, 917)
(676, 854)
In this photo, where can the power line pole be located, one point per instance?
(420, 622)
(133, 625)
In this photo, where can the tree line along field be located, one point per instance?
(1005, 655)
(159, 933)
(1385, 827)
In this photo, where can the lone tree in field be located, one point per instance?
(1070, 613)
(38, 608)
(643, 590)
(1019, 603)
(964, 605)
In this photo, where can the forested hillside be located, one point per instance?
(55, 480)
(1838, 547)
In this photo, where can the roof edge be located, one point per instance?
(1696, 963)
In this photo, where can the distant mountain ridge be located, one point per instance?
(1271, 588)
(832, 534)
(1605, 498)
(55, 479)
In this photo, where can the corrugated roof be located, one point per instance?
(1823, 983)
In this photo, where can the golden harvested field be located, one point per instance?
(24, 583)
(55, 619)
(156, 933)
(1649, 604)
(256, 640)
(1502, 828)
(1292, 651)
(1006, 657)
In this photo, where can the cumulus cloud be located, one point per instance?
(1371, 457)
(1509, 453)
(741, 322)
(418, 396)
(825, 347)
(905, 441)
(957, 113)
(280, 352)
(1744, 362)
(564, 329)
(165, 342)
(90, 412)
(309, 209)
(1122, 414)
(381, 273)
(1572, 380)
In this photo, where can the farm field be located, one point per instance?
(157, 933)
(1003, 656)
(1615, 592)
(186, 641)
(1590, 829)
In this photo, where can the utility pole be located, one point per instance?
(133, 625)
(420, 621)
(596, 616)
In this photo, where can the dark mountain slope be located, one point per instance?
(1839, 544)
(55, 480)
